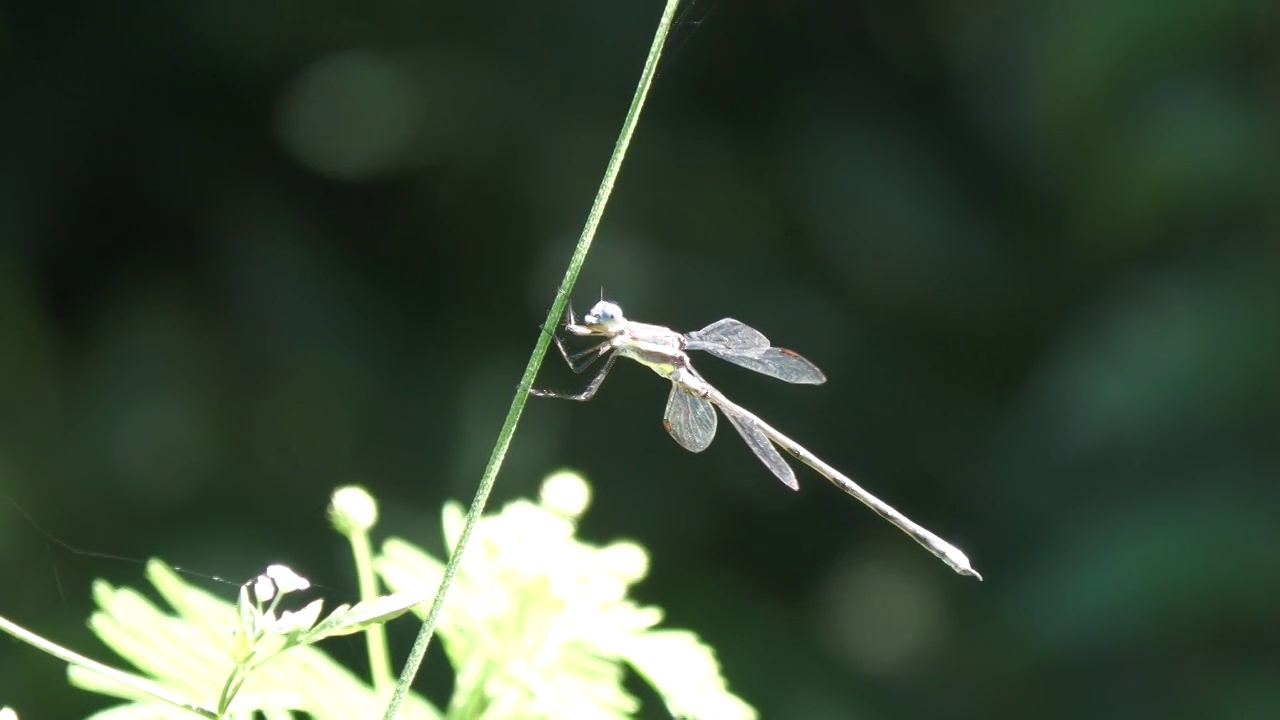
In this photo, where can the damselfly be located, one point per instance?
(690, 417)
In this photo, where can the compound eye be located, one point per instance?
(604, 313)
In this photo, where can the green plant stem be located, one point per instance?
(109, 673)
(579, 257)
(376, 634)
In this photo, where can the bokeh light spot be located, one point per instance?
(351, 116)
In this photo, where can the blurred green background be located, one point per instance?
(250, 251)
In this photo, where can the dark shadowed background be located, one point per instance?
(253, 250)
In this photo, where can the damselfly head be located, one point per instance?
(604, 315)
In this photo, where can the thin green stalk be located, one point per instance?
(535, 359)
(110, 673)
(376, 634)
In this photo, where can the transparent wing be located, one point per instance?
(775, 362)
(727, 334)
(691, 420)
(764, 450)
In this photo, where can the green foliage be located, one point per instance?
(232, 659)
(539, 626)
